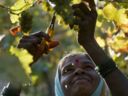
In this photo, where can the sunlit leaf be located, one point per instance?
(24, 57)
(122, 19)
(124, 27)
(98, 23)
(34, 78)
(120, 61)
(119, 43)
(46, 6)
(110, 11)
(18, 7)
(21, 5)
(100, 42)
(14, 18)
(76, 1)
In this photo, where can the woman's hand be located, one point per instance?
(32, 44)
(86, 17)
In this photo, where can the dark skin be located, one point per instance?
(116, 81)
(79, 75)
(86, 21)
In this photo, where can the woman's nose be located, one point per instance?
(79, 71)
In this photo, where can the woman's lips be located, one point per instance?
(81, 80)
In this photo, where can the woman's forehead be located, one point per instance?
(76, 59)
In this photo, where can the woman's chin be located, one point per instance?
(81, 88)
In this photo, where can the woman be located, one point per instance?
(76, 74)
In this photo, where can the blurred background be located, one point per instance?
(111, 34)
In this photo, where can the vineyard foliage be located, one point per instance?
(111, 34)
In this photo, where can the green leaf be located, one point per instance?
(121, 17)
(14, 18)
(119, 43)
(110, 11)
(11, 69)
(21, 5)
(18, 8)
(24, 57)
(76, 1)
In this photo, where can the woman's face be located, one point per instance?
(78, 76)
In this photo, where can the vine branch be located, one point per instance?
(5, 7)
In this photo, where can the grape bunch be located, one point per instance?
(26, 21)
(64, 9)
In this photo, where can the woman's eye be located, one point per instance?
(68, 70)
(88, 68)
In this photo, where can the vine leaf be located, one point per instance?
(18, 8)
(21, 5)
(14, 18)
(119, 43)
(118, 16)
(122, 19)
(109, 11)
(11, 70)
(24, 57)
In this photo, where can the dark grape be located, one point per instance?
(26, 21)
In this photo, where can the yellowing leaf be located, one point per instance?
(100, 41)
(24, 57)
(109, 11)
(76, 1)
(98, 23)
(34, 78)
(100, 12)
(119, 43)
(21, 5)
(124, 27)
(121, 17)
(18, 7)
(14, 18)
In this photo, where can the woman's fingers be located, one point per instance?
(92, 4)
(85, 7)
(83, 21)
(83, 15)
(79, 14)
(82, 6)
